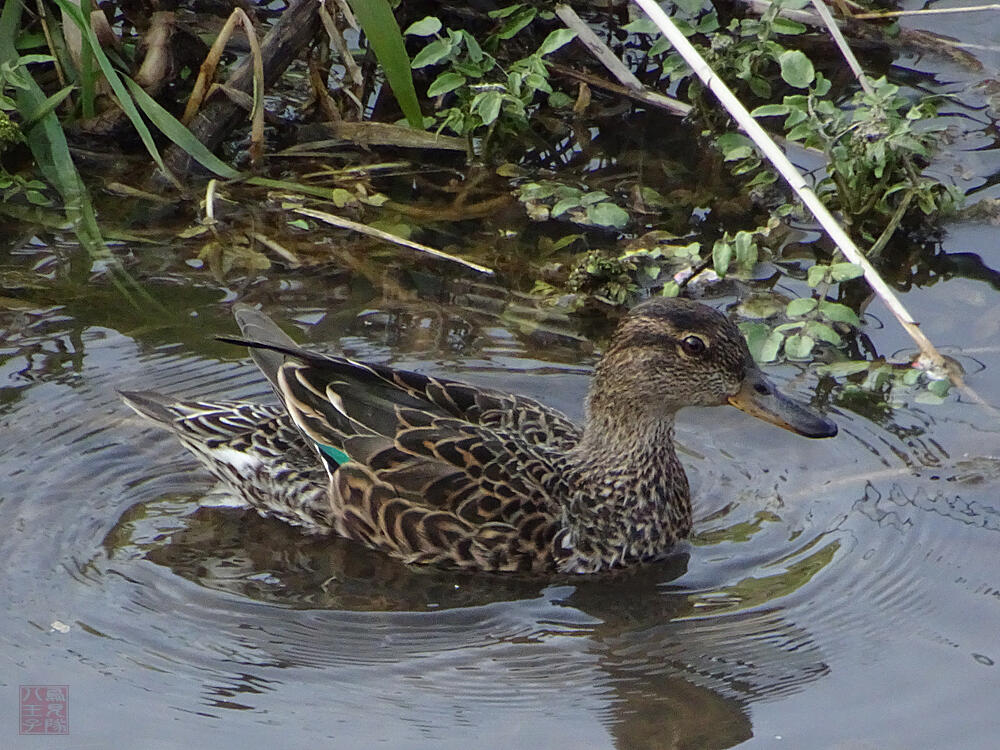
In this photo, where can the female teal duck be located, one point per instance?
(435, 471)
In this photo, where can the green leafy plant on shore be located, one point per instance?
(480, 93)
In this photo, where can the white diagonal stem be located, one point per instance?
(930, 357)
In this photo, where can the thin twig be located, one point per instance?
(890, 229)
(48, 40)
(278, 248)
(930, 358)
(210, 201)
(201, 88)
(845, 49)
(348, 14)
(643, 95)
(337, 39)
(338, 221)
(598, 48)
(926, 11)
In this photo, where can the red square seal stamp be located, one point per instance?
(43, 709)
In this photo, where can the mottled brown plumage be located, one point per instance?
(434, 471)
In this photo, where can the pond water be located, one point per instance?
(842, 593)
(835, 592)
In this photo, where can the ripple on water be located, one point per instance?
(782, 576)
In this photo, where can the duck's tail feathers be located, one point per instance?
(151, 405)
(268, 344)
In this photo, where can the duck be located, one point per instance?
(434, 471)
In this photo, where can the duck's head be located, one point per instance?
(670, 353)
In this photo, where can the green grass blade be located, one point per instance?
(121, 94)
(50, 150)
(10, 21)
(48, 144)
(48, 106)
(379, 24)
(171, 127)
(88, 75)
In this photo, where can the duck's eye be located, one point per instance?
(693, 345)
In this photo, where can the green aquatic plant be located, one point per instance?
(550, 199)
(873, 145)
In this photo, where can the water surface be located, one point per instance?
(836, 594)
(853, 577)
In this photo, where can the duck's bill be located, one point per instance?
(759, 397)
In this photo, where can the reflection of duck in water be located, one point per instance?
(629, 649)
(435, 471)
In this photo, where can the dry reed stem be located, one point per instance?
(355, 226)
(930, 358)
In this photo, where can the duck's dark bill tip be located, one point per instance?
(759, 398)
(819, 427)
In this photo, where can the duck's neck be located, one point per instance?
(629, 498)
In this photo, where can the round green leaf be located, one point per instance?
(558, 100)
(555, 40)
(799, 346)
(433, 53)
(798, 307)
(816, 274)
(939, 387)
(722, 255)
(487, 106)
(759, 86)
(797, 70)
(595, 196)
(756, 335)
(444, 83)
(770, 110)
(424, 27)
(839, 313)
(563, 206)
(846, 271)
(787, 26)
(823, 332)
(641, 25)
(734, 146)
(607, 215)
(670, 289)
(770, 347)
(341, 197)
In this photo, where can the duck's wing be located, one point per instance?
(413, 434)
(257, 326)
(535, 422)
(239, 425)
(428, 469)
(375, 512)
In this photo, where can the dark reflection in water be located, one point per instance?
(666, 677)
